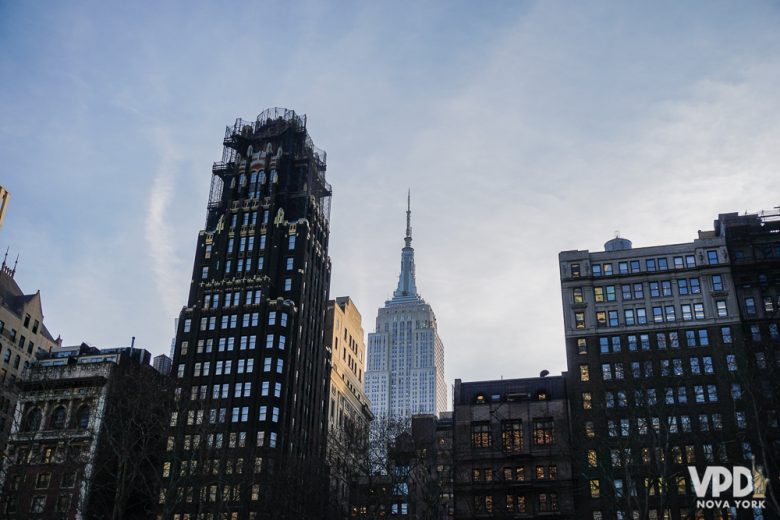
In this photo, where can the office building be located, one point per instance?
(22, 336)
(349, 411)
(89, 431)
(511, 450)
(163, 364)
(753, 243)
(653, 341)
(251, 363)
(405, 374)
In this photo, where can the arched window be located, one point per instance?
(33, 420)
(82, 418)
(16, 361)
(58, 418)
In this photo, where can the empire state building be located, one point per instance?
(405, 373)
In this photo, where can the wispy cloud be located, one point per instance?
(164, 256)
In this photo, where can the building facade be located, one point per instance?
(753, 242)
(653, 343)
(87, 437)
(405, 373)
(414, 478)
(163, 364)
(248, 437)
(22, 336)
(511, 450)
(349, 411)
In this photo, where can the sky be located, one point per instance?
(522, 129)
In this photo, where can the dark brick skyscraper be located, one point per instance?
(248, 437)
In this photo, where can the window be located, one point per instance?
(548, 502)
(650, 264)
(606, 371)
(596, 269)
(58, 418)
(750, 306)
(669, 310)
(288, 284)
(623, 267)
(611, 295)
(575, 270)
(755, 333)
(721, 307)
(698, 311)
(584, 373)
(595, 488)
(291, 242)
(480, 434)
(613, 318)
(629, 316)
(717, 282)
(544, 432)
(678, 262)
(601, 318)
(578, 297)
(38, 504)
(587, 401)
(42, 481)
(598, 294)
(634, 266)
(579, 320)
(625, 292)
(512, 435)
(582, 346)
(682, 286)
(641, 316)
(725, 333)
(712, 257)
(34, 418)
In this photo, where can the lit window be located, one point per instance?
(579, 320)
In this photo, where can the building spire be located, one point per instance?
(407, 286)
(408, 238)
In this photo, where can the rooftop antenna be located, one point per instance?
(6, 256)
(617, 233)
(13, 271)
(408, 217)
